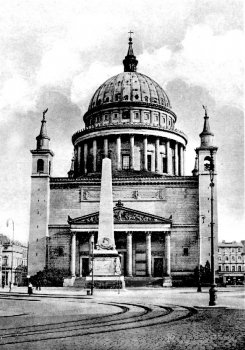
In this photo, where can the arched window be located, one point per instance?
(207, 163)
(40, 166)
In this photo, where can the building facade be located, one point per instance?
(14, 261)
(231, 258)
(161, 217)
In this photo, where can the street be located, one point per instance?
(176, 318)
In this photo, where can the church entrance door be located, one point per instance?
(158, 267)
(85, 266)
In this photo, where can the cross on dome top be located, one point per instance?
(130, 62)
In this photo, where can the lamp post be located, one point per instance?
(92, 263)
(199, 283)
(212, 290)
(12, 260)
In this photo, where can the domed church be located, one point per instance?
(161, 216)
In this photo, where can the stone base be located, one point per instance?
(105, 252)
(106, 282)
(104, 265)
(68, 282)
(167, 281)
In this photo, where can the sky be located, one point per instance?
(55, 54)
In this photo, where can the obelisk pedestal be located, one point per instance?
(105, 261)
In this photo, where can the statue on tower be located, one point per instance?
(44, 112)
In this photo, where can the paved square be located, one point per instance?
(131, 319)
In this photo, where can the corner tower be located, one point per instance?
(205, 169)
(40, 193)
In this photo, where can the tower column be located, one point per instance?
(176, 159)
(145, 153)
(129, 255)
(181, 161)
(85, 158)
(157, 165)
(148, 254)
(73, 254)
(79, 159)
(169, 159)
(184, 161)
(106, 148)
(94, 154)
(132, 152)
(119, 157)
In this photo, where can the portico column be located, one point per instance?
(167, 254)
(119, 158)
(157, 156)
(94, 154)
(106, 147)
(145, 153)
(169, 158)
(132, 152)
(91, 242)
(73, 254)
(129, 254)
(176, 159)
(85, 157)
(148, 254)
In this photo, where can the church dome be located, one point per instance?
(129, 87)
(130, 120)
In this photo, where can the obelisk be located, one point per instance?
(106, 261)
(106, 240)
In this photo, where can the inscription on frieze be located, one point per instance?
(124, 194)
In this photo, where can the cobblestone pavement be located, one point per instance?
(143, 319)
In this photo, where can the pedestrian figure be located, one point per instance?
(30, 288)
(39, 285)
(10, 286)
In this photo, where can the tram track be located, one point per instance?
(132, 316)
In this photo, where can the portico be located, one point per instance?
(142, 240)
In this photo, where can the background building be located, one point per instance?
(162, 217)
(14, 261)
(231, 258)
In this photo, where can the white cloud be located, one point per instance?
(17, 94)
(85, 84)
(59, 65)
(214, 62)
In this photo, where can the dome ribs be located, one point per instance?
(129, 86)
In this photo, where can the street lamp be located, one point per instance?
(92, 264)
(212, 290)
(199, 283)
(12, 260)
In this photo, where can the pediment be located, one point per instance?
(122, 215)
